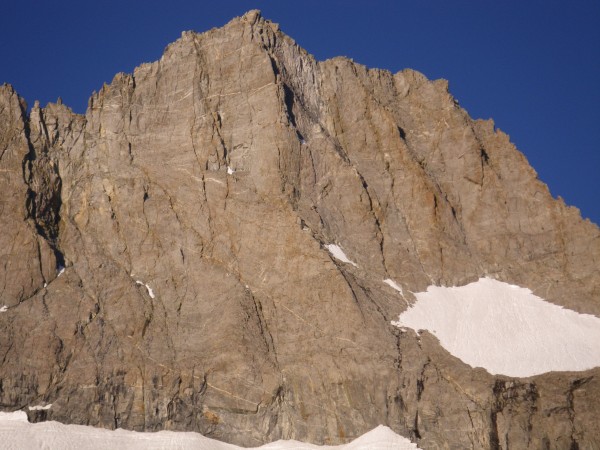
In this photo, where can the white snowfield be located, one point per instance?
(506, 329)
(18, 434)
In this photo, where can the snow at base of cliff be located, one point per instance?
(506, 329)
(18, 434)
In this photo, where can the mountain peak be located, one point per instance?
(222, 243)
(252, 16)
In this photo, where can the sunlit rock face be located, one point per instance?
(200, 210)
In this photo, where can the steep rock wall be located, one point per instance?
(190, 208)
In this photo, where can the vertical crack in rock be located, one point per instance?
(43, 200)
(514, 405)
(264, 327)
(575, 385)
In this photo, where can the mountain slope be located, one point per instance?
(191, 208)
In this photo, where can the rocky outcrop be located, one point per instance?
(190, 209)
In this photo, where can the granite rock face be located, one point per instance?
(190, 209)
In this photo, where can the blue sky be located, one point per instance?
(533, 66)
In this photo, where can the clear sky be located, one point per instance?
(533, 66)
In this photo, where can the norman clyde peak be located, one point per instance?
(167, 262)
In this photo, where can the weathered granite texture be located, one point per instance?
(190, 207)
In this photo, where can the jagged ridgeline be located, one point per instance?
(202, 210)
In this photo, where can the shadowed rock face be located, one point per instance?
(191, 207)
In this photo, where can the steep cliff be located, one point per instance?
(190, 209)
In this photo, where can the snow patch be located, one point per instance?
(339, 254)
(15, 416)
(230, 171)
(380, 438)
(40, 407)
(148, 288)
(506, 329)
(20, 434)
(4, 309)
(61, 270)
(394, 285)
